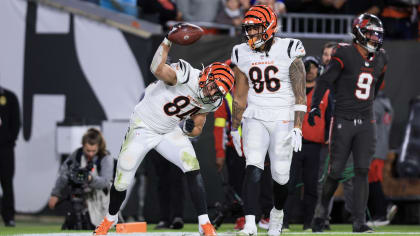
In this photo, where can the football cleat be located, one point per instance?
(318, 225)
(250, 229)
(239, 224)
(362, 229)
(276, 222)
(207, 230)
(104, 227)
(264, 222)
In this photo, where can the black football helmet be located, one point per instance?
(368, 32)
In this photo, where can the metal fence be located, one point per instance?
(298, 25)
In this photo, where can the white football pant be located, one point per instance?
(262, 136)
(140, 139)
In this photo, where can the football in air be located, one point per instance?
(185, 33)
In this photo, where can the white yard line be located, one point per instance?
(220, 234)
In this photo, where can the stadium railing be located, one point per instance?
(298, 25)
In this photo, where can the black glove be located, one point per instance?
(188, 126)
(311, 116)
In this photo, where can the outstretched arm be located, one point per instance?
(298, 79)
(240, 97)
(159, 68)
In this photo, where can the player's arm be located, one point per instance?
(240, 97)
(297, 75)
(159, 68)
(326, 80)
(198, 120)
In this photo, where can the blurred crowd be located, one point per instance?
(400, 17)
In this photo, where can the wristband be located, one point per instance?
(167, 42)
(300, 107)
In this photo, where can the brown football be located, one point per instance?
(185, 34)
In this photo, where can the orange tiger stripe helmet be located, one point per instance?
(259, 15)
(217, 75)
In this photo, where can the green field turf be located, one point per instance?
(36, 226)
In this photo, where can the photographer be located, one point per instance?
(84, 180)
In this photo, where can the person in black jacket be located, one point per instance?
(9, 130)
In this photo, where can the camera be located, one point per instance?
(231, 207)
(77, 217)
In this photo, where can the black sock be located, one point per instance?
(280, 194)
(197, 191)
(251, 189)
(116, 200)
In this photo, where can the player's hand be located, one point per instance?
(188, 126)
(296, 136)
(236, 138)
(220, 162)
(52, 202)
(311, 116)
(174, 27)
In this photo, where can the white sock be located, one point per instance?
(203, 219)
(112, 217)
(250, 219)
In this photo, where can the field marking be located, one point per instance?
(220, 234)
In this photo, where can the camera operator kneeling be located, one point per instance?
(84, 180)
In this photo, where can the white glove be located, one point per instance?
(296, 136)
(236, 138)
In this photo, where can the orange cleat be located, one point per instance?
(208, 230)
(103, 228)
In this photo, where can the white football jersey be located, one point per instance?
(270, 95)
(164, 106)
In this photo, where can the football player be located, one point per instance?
(270, 95)
(355, 71)
(182, 93)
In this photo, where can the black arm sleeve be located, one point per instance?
(325, 81)
(328, 115)
(378, 84)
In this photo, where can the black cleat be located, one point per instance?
(177, 223)
(10, 223)
(362, 229)
(162, 225)
(318, 225)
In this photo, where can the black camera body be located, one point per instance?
(231, 207)
(77, 217)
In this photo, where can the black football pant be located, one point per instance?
(7, 171)
(170, 187)
(359, 137)
(304, 169)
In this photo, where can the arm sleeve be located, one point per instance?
(328, 115)
(103, 180)
(15, 122)
(220, 117)
(62, 180)
(326, 80)
(382, 76)
(183, 71)
(296, 49)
